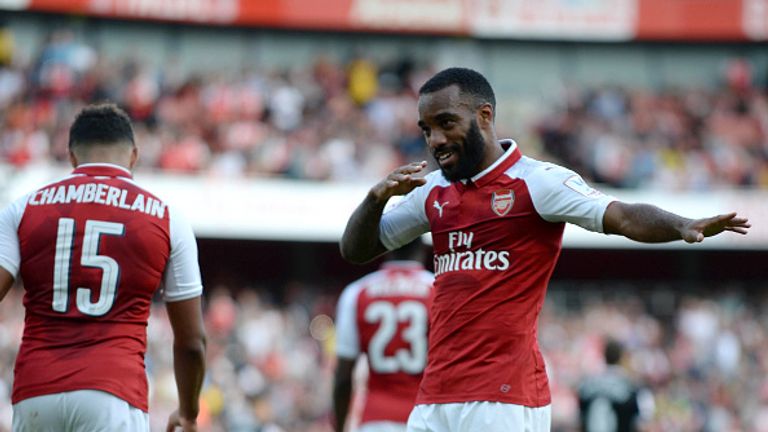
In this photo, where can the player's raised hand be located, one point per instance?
(400, 181)
(176, 421)
(698, 229)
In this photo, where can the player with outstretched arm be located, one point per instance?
(497, 219)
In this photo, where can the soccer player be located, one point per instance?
(384, 315)
(92, 249)
(611, 400)
(497, 220)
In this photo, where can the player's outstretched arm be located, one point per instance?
(649, 224)
(360, 242)
(188, 360)
(342, 391)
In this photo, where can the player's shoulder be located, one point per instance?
(544, 177)
(139, 188)
(432, 179)
(354, 287)
(528, 168)
(53, 183)
(348, 299)
(435, 176)
(15, 209)
(177, 217)
(414, 200)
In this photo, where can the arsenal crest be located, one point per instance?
(502, 201)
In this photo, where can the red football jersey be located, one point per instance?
(385, 316)
(496, 240)
(92, 249)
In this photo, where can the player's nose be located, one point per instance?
(436, 139)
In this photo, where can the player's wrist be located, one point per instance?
(379, 195)
(187, 421)
(187, 417)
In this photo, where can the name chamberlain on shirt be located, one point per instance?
(479, 259)
(98, 193)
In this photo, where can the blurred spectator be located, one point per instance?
(6, 44)
(611, 401)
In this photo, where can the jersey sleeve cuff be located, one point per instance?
(599, 219)
(10, 268)
(386, 242)
(186, 294)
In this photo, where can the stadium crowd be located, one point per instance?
(327, 121)
(683, 138)
(703, 357)
(353, 119)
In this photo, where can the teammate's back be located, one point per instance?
(91, 259)
(385, 316)
(92, 249)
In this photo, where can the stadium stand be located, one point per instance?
(350, 119)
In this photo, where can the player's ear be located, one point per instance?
(485, 114)
(134, 157)
(73, 159)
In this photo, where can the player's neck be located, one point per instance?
(110, 156)
(493, 151)
(105, 162)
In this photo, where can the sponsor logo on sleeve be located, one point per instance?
(578, 185)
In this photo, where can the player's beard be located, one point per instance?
(470, 155)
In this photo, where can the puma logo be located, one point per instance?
(439, 207)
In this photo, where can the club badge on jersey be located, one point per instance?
(502, 201)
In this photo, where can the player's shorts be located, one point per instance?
(75, 411)
(479, 416)
(381, 426)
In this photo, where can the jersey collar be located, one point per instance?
(102, 169)
(510, 156)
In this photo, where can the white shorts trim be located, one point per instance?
(80, 410)
(479, 416)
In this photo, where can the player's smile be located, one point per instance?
(447, 155)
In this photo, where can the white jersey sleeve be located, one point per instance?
(407, 219)
(561, 195)
(347, 334)
(10, 218)
(182, 272)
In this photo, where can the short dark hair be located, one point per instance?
(613, 351)
(469, 81)
(100, 124)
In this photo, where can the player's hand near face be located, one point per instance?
(399, 182)
(360, 242)
(698, 229)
